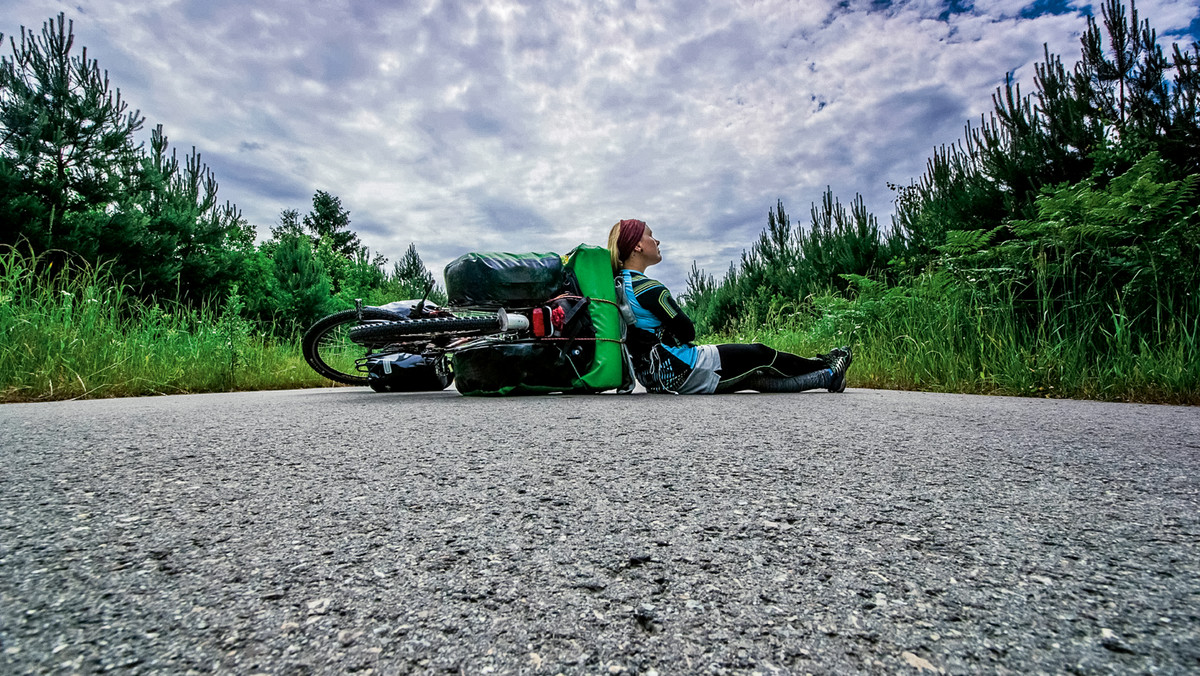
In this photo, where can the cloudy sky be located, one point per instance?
(472, 125)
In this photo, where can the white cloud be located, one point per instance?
(472, 125)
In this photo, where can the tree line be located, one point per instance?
(76, 186)
(1082, 197)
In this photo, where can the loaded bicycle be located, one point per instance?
(514, 324)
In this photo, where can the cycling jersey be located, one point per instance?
(660, 340)
(656, 313)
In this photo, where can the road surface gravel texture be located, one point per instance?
(339, 530)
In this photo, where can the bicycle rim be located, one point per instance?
(329, 350)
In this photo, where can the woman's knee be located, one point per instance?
(763, 352)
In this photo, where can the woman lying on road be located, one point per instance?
(660, 340)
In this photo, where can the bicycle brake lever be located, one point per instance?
(420, 309)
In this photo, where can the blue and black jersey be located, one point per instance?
(660, 340)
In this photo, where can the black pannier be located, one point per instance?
(521, 367)
(505, 280)
(404, 372)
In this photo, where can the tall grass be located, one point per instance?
(76, 332)
(938, 336)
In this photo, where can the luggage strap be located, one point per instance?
(571, 336)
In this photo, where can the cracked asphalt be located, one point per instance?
(339, 530)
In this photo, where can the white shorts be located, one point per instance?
(705, 374)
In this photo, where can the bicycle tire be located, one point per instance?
(330, 351)
(430, 326)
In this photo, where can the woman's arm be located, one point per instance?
(677, 326)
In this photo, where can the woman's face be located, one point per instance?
(649, 247)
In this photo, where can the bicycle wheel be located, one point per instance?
(329, 350)
(407, 329)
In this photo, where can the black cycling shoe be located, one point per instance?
(839, 359)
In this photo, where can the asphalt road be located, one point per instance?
(340, 530)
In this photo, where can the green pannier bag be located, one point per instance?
(612, 367)
(592, 359)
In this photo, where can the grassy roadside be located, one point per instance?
(76, 334)
(940, 339)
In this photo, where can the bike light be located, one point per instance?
(543, 322)
(539, 322)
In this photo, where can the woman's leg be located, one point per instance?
(757, 367)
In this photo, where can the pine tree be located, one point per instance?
(410, 273)
(289, 224)
(1123, 100)
(328, 220)
(304, 289)
(190, 244)
(72, 177)
(67, 136)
